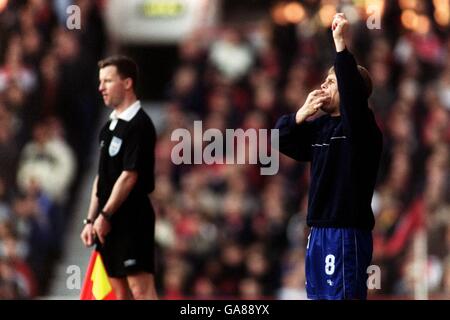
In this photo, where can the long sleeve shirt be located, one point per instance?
(344, 152)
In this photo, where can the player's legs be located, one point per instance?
(358, 258)
(120, 287)
(142, 286)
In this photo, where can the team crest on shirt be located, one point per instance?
(114, 146)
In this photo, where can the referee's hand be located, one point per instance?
(88, 235)
(101, 228)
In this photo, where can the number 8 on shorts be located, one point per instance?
(329, 264)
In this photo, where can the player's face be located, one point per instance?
(331, 90)
(111, 86)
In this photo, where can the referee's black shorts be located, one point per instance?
(129, 247)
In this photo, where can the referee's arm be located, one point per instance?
(122, 188)
(93, 206)
(88, 233)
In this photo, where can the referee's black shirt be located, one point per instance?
(127, 144)
(344, 152)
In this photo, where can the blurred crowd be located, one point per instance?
(223, 231)
(48, 114)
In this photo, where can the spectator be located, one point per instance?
(48, 162)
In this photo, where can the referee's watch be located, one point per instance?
(87, 221)
(106, 215)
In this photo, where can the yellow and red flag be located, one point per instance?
(96, 284)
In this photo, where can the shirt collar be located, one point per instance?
(128, 113)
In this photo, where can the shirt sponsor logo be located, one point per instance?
(114, 146)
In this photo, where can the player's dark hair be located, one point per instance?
(364, 74)
(126, 67)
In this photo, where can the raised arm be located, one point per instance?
(353, 90)
(339, 27)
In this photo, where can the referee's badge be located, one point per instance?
(114, 146)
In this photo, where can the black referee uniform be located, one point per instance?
(127, 143)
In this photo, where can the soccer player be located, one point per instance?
(344, 148)
(121, 219)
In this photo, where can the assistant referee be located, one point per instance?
(121, 220)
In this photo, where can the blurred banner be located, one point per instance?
(158, 21)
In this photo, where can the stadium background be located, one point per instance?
(222, 231)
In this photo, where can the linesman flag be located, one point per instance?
(96, 284)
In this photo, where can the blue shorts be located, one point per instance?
(336, 263)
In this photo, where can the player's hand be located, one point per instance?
(101, 228)
(313, 103)
(339, 26)
(88, 235)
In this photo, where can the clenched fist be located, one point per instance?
(339, 27)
